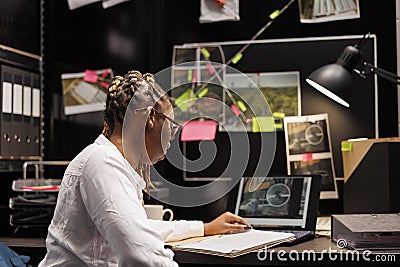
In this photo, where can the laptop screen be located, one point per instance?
(280, 202)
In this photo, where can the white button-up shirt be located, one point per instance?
(99, 219)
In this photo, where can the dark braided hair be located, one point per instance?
(133, 87)
(135, 91)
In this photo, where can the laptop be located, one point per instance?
(280, 203)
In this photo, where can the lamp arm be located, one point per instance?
(383, 73)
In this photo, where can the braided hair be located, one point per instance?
(133, 91)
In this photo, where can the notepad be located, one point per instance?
(233, 245)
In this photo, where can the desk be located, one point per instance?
(294, 256)
(35, 248)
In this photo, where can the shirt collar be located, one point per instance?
(102, 140)
(138, 179)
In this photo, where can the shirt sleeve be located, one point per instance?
(110, 197)
(177, 230)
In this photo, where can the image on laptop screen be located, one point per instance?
(274, 201)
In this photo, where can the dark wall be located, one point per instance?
(145, 32)
(20, 24)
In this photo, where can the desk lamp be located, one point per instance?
(335, 81)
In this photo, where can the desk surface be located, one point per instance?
(289, 256)
(316, 252)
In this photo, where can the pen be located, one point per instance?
(246, 227)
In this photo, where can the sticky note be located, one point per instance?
(274, 14)
(194, 79)
(106, 72)
(210, 68)
(306, 157)
(185, 100)
(263, 124)
(205, 52)
(347, 146)
(7, 97)
(236, 58)
(278, 125)
(90, 76)
(36, 102)
(241, 105)
(190, 75)
(17, 99)
(27, 107)
(199, 130)
(202, 92)
(279, 115)
(104, 84)
(235, 110)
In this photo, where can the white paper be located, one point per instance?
(36, 102)
(74, 4)
(7, 97)
(212, 12)
(17, 99)
(86, 91)
(27, 101)
(237, 242)
(110, 3)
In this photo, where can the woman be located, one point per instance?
(99, 219)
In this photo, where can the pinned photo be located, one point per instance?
(316, 11)
(85, 91)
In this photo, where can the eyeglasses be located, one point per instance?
(174, 126)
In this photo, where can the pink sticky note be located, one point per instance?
(194, 79)
(104, 84)
(210, 68)
(306, 157)
(90, 76)
(235, 110)
(198, 130)
(106, 72)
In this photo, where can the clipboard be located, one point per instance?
(226, 245)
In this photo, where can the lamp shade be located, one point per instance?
(334, 81)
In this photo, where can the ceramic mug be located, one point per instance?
(157, 212)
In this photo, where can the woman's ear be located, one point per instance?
(151, 117)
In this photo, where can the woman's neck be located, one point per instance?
(116, 139)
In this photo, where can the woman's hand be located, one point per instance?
(225, 223)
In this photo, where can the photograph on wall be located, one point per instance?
(309, 152)
(85, 91)
(307, 135)
(191, 96)
(281, 90)
(316, 11)
(321, 167)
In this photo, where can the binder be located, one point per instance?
(17, 124)
(26, 114)
(20, 114)
(36, 116)
(6, 111)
